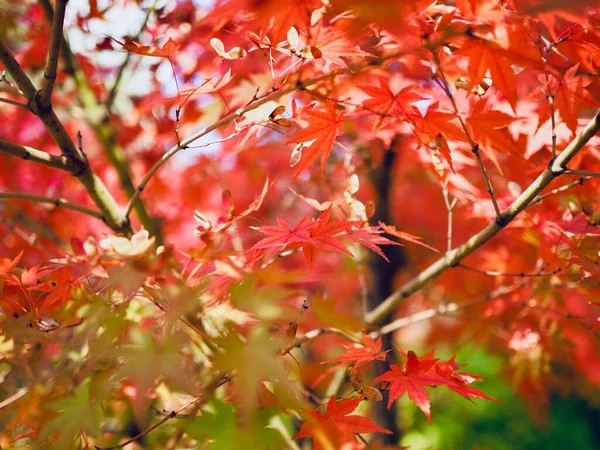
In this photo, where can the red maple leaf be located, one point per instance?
(489, 128)
(167, 50)
(310, 235)
(358, 354)
(411, 379)
(323, 128)
(390, 229)
(384, 102)
(371, 238)
(427, 126)
(279, 237)
(336, 427)
(324, 234)
(484, 55)
(459, 381)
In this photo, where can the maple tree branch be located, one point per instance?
(309, 336)
(53, 52)
(300, 85)
(35, 155)
(583, 173)
(496, 273)
(558, 190)
(82, 169)
(102, 129)
(14, 103)
(56, 201)
(442, 309)
(556, 167)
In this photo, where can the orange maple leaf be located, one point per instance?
(411, 379)
(336, 426)
(484, 55)
(167, 50)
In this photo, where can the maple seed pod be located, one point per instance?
(587, 208)
(277, 112)
(355, 376)
(372, 393)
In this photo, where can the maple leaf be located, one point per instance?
(383, 101)
(371, 238)
(323, 128)
(484, 55)
(333, 45)
(336, 426)
(488, 128)
(570, 96)
(411, 379)
(358, 354)
(426, 127)
(278, 237)
(324, 234)
(390, 229)
(167, 50)
(459, 381)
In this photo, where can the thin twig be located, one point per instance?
(37, 156)
(53, 52)
(442, 309)
(14, 103)
(496, 273)
(555, 168)
(583, 173)
(82, 170)
(220, 382)
(56, 201)
(558, 190)
(474, 146)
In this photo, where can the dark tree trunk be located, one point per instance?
(382, 277)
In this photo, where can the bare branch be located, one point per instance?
(442, 309)
(210, 388)
(116, 154)
(37, 156)
(57, 201)
(583, 173)
(554, 169)
(558, 190)
(496, 273)
(53, 52)
(14, 103)
(76, 158)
